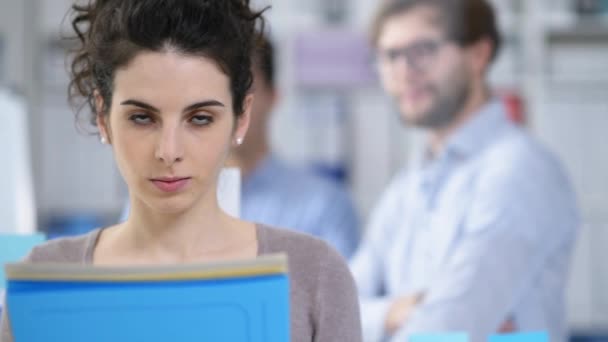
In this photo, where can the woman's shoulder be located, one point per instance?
(64, 250)
(278, 240)
(307, 254)
(322, 287)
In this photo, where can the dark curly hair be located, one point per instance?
(111, 33)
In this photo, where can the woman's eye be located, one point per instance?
(201, 120)
(141, 119)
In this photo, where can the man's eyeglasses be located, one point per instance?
(418, 55)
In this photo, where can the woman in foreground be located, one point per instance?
(168, 84)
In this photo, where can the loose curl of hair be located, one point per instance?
(111, 33)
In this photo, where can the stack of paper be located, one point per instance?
(230, 301)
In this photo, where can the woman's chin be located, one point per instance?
(170, 207)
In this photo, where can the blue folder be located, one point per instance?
(237, 307)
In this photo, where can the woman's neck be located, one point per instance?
(201, 232)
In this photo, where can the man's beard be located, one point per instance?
(449, 102)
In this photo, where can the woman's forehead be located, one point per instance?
(161, 75)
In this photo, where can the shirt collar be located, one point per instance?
(479, 131)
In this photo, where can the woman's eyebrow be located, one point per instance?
(208, 103)
(140, 104)
(197, 105)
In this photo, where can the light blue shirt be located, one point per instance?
(485, 230)
(280, 195)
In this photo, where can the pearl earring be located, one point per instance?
(103, 140)
(239, 141)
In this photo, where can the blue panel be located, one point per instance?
(523, 337)
(14, 247)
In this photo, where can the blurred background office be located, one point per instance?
(333, 116)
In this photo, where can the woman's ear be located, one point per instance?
(101, 119)
(242, 122)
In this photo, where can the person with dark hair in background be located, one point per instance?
(168, 83)
(283, 195)
(477, 237)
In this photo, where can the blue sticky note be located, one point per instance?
(522, 337)
(444, 337)
(14, 247)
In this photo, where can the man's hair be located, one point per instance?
(264, 60)
(465, 21)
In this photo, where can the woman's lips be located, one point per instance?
(170, 184)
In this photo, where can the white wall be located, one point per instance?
(17, 210)
(72, 172)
